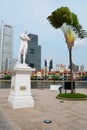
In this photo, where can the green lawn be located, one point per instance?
(70, 95)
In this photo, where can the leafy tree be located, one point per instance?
(56, 77)
(7, 77)
(68, 22)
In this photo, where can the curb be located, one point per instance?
(72, 99)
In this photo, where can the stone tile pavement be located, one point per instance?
(66, 115)
(6, 123)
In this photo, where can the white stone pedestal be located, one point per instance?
(20, 95)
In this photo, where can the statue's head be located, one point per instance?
(25, 31)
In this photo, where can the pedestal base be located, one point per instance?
(20, 101)
(20, 95)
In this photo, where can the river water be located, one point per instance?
(44, 84)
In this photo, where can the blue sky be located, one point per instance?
(33, 15)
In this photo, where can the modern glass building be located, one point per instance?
(33, 57)
(6, 46)
(48, 64)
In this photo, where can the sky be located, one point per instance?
(31, 14)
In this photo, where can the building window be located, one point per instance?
(32, 51)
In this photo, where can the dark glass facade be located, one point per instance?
(49, 64)
(33, 57)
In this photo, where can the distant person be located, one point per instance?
(23, 46)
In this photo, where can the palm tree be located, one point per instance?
(68, 22)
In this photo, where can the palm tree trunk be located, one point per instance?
(70, 60)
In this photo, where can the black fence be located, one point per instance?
(46, 84)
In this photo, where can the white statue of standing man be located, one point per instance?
(23, 46)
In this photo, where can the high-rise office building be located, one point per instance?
(48, 64)
(33, 57)
(6, 46)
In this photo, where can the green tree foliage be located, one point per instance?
(64, 15)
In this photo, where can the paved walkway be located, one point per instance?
(6, 123)
(67, 115)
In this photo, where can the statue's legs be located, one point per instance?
(24, 54)
(24, 58)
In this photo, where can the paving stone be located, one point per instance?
(70, 115)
